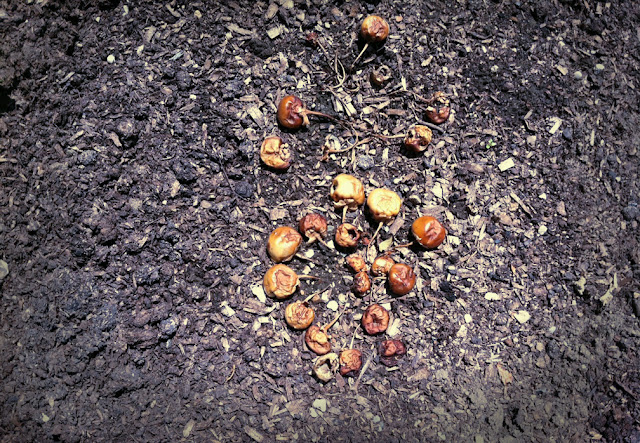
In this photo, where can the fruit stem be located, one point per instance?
(366, 45)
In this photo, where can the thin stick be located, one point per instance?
(366, 45)
(344, 213)
(314, 294)
(308, 277)
(363, 370)
(327, 327)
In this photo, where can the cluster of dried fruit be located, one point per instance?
(348, 193)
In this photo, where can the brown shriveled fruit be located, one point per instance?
(379, 77)
(347, 235)
(280, 281)
(428, 231)
(356, 262)
(375, 319)
(438, 110)
(274, 153)
(401, 278)
(313, 226)
(374, 29)
(317, 340)
(418, 138)
(383, 204)
(325, 366)
(350, 362)
(283, 243)
(361, 283)
(299, 315)
(293, 114)
(381, 265)
(390, 351)
(347, 190)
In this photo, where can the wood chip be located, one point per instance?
(188, 428)
(506, 164)
(254, 434)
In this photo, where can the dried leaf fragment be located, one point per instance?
(505, 375)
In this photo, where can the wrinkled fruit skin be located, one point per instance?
(313, 226)
(356, 262)
(283, 243)
(290, 112)
(350, 362)
(280, 281)
(361, 283)
(274, 153)
(299, 315)
(381, 265)
(418, 138)
(375, 319)
(438, 111)
(347, 235)
(390, 351)
(379, 77)
(374, 29)
(325, 366)
(347, 190)
(428, 232)
(383, 204)
(402, 279)
(317, 340)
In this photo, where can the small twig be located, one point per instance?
(364, 369)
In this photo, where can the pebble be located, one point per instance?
(169, 326)
(366, 162)
(332, 305)
(577, 75)
(244, 189)
(111, 58)
(567, 133)
(631, 212)
(599, 68)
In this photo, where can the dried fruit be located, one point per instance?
(299, 315)
(383, 204)
(379, 77)
(347, 235)
(350, 362)
(347, 191)
(361, 283)
(381, 265)
(283, 243)
(390, 351)
(375, 319)
(317, 340)
(274, 153)
(428, 231)
(401, 278)
(418, 138)
(292, 113)
(280, 281)
(325, 365)
(439, 108)
(313, 226)
(356, 262)
(374, 29)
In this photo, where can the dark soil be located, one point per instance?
(134, 213)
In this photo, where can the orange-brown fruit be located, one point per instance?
(361, 283)
(438, 110)
(390, 351)
(350, 362)
(299, 315)
(401, 278)
(347, 190)
(374, 29)
(274, 153)
(356, 262)
(375, 319)
(347, 235)
(317, 340)
(418, 138)
(381, 265)
(280, 281)
(428, 231)
(313, 226)
(283, 243)
(383, 204)
(291, 113)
